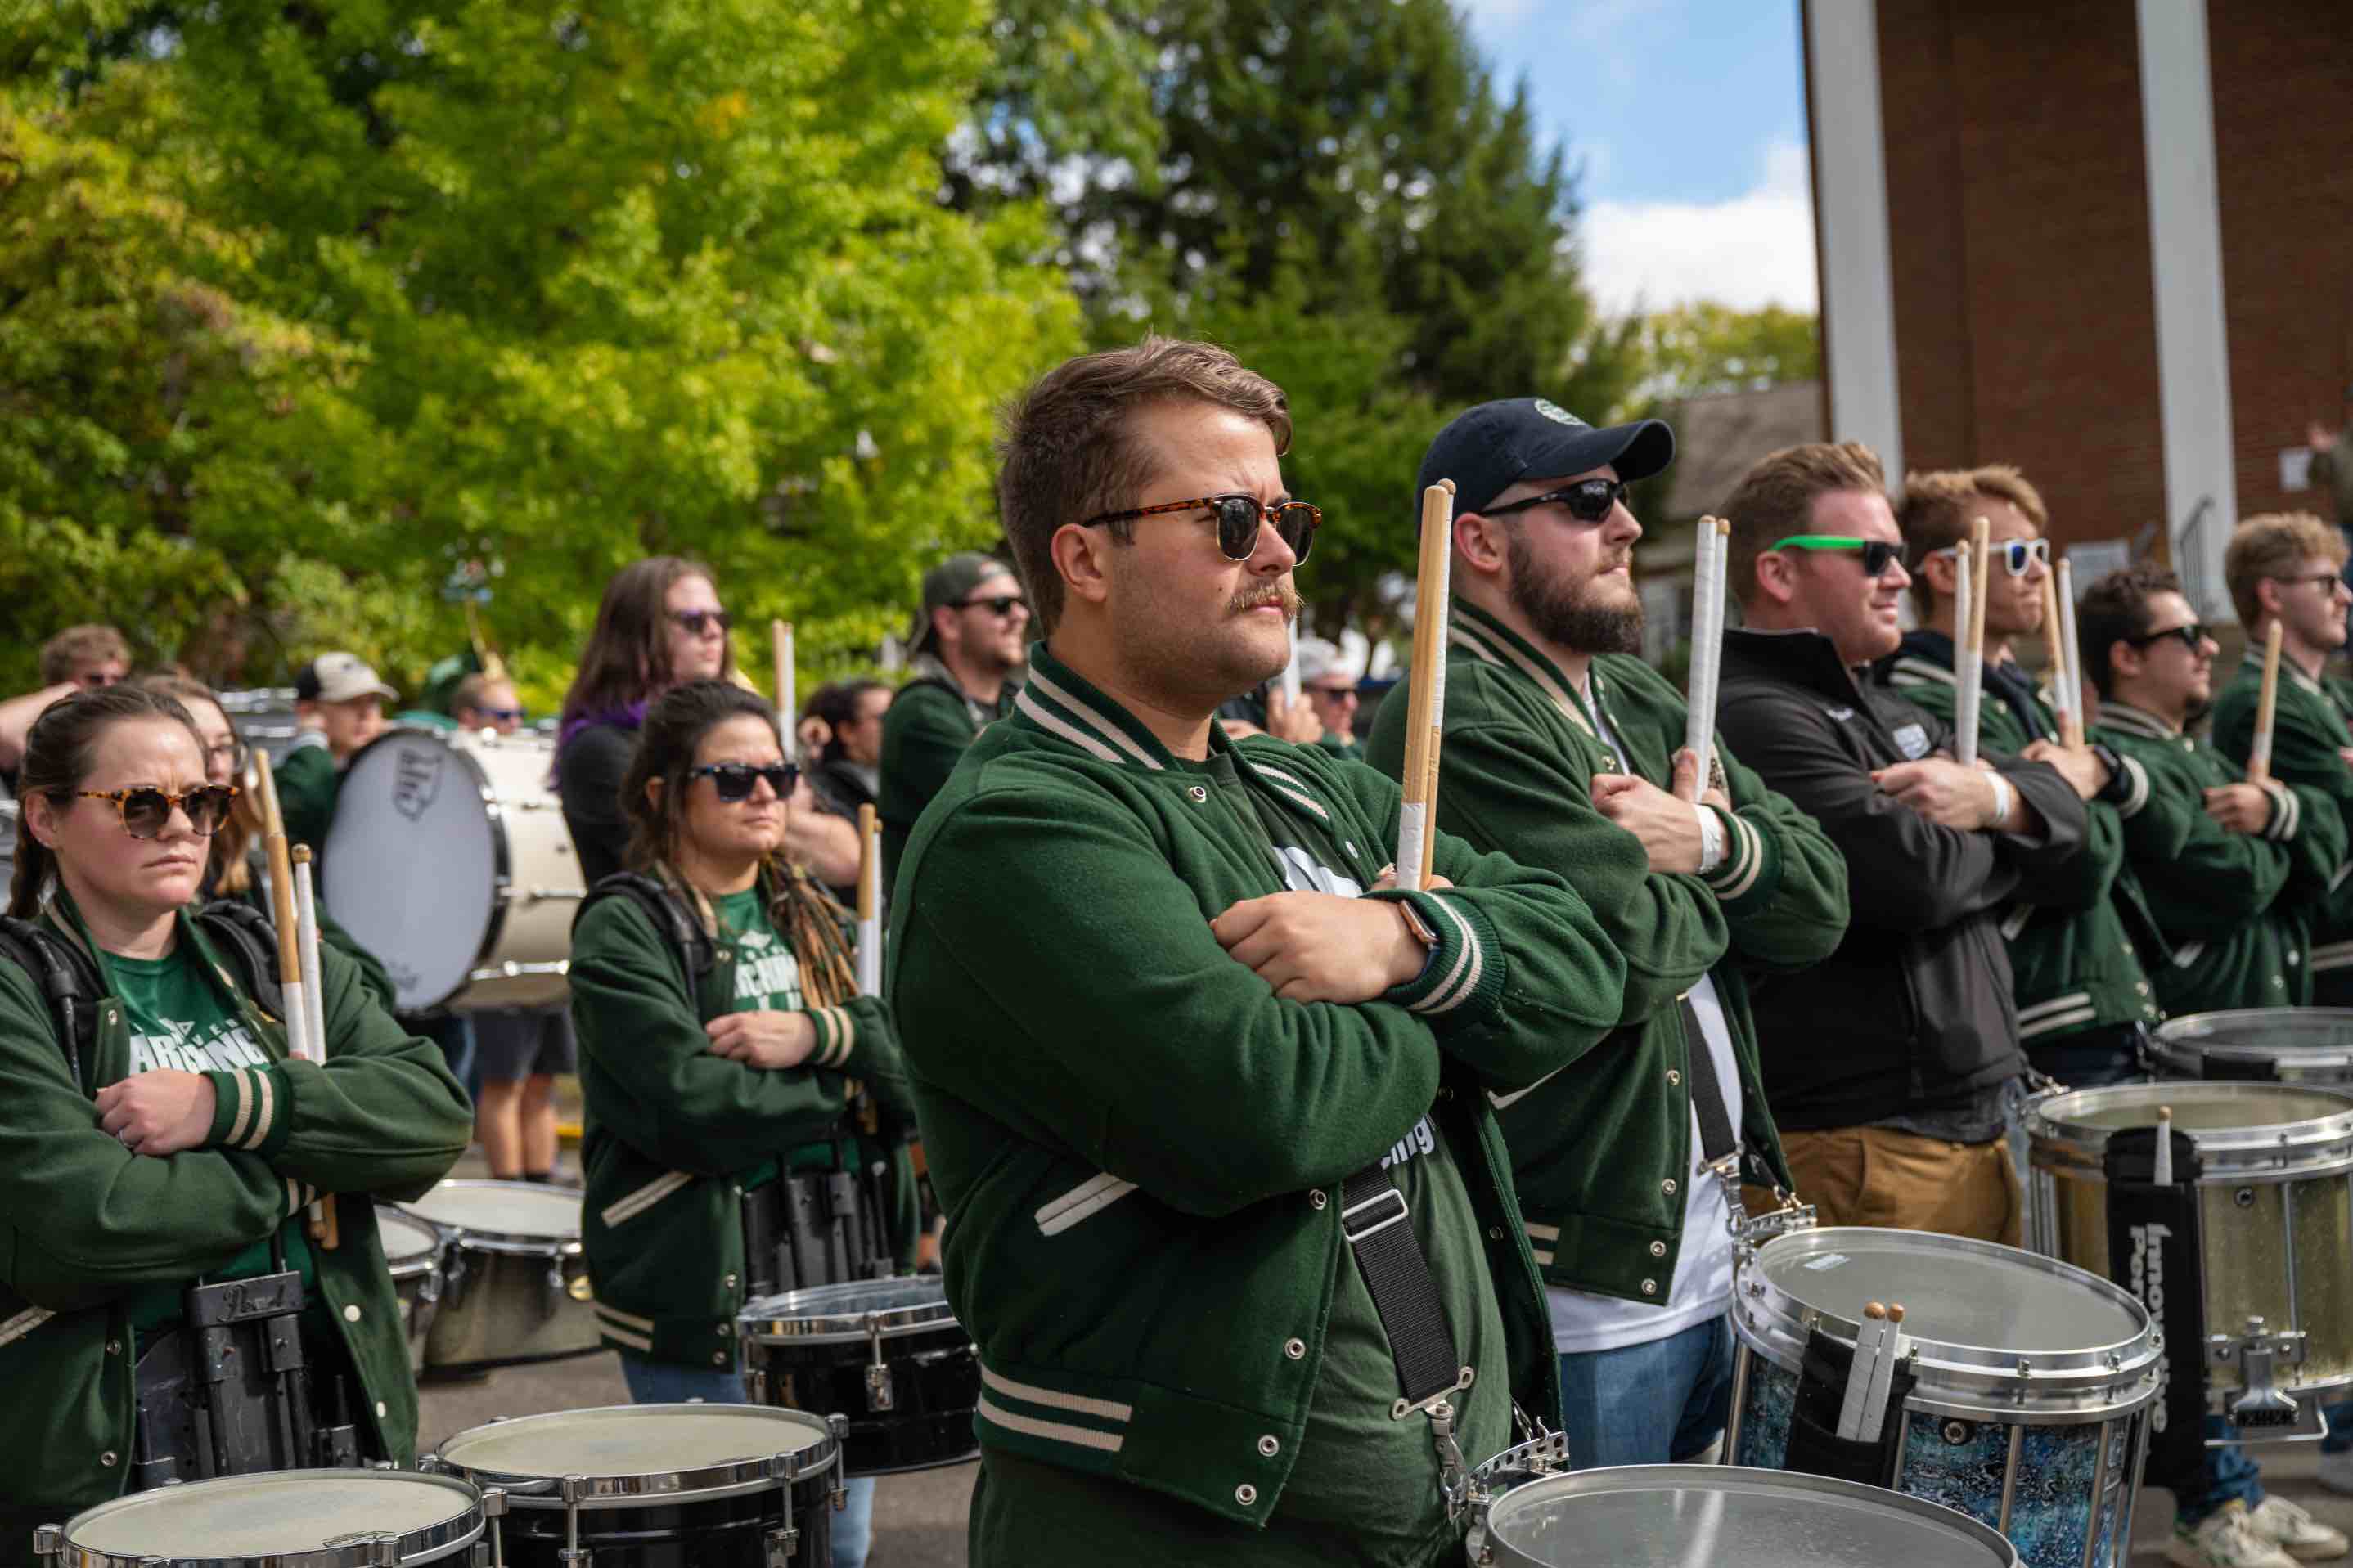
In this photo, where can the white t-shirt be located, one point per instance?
(1582, 1322)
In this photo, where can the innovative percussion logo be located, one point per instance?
(416, 779)
(2144, 1278)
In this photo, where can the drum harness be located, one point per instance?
(244, 1386)
(826, 1227)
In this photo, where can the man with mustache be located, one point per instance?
(1889, 1066)
(1564, 750)
(1204, 1097)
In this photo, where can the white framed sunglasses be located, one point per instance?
(2013, 553)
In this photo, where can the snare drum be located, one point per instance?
(515, 1286)
(2276, 1197)
(1712, 1516)
(318, 1519)
(887, 1353)
(412, 1252)
(2034, 1378)
(652, 1486)
(448, 860)
(2259, 1044)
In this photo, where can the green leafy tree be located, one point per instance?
(1705, 347)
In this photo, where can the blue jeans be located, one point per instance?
(2339, 1421)
(665, 1383)
(1653, 1404)
(2229, 1475)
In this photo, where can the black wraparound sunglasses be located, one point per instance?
(1588, 501)
(734, 781)
(2193, 637)
(1239, 517)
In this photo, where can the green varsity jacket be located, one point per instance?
(1137, 1142)
(2234, 907)
(85, 1224)
(2080, 967)
(2309, 723)
(670, 1128)
(1599, 1153)
(308, 781)
(926, 728)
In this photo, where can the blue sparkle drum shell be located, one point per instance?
(1715, 1516)
(2034, 1378)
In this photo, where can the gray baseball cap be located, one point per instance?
(951, 582)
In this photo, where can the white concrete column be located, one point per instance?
(2185, 243)
(1858, 291)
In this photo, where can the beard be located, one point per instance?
(1569, 614)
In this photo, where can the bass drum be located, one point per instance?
(448, 860)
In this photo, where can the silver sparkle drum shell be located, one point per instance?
(514, 1284)
(412, 1256)
(1710, 1516)
(287, 1519)
(2259, 1045)
(2276, 1197)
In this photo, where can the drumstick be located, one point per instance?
(324, 1226)
(2259, 755)
(869, 903)
(1291, 672)
(1706, 642)
(2072, 651)
(1975, 557)
(1882, 1376)
(1859, 1371)
(2062, 700)
(283, 915)
(780, 645)
(1426, 697)
(2161, 1173)
(1964, 598)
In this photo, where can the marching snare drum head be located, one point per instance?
(907, 1305)
(503, 1208)
(291, 1511)
(411, 863)
(2197, 1107)
(1707, 1516)
(2255, 1033)
(632, 1442)
(408, 1242)
(1954, 1292)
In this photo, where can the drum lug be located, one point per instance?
(495, 1510)
(453, 1278)
(881, 1390)
(838, 1425)
(782, 1542)
(552, 1299)
(47, 1539)
(2259, 1354)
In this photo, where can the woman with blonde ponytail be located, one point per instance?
(747, 1111)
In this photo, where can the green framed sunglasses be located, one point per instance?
(1878, 554)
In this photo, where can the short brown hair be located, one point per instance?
(2116, 609)
(1776, 499)
(1067, 453)
(2271, 546)
(1936, 509)
(75, 646)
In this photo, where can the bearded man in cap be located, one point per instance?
(1205, 1096)
(1564, 750)
(968, 645)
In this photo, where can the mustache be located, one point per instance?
(1251, 599)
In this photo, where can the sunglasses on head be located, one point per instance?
(997, 605)
(145, 810)
(1239, 517)
(695, 621)
(734, 781)
(1588, 501)
(2012, 553)
(2193, 637)
(1878, 554)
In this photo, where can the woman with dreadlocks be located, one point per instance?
(747, 1111)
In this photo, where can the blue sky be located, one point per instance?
(1687, 118)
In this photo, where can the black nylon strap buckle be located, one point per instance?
(1383, 1209)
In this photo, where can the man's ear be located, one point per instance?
(1944, 575)
(2267, 598)
(1081, 556)
(1777, 577)
(1480, 544)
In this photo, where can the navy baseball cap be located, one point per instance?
(1487, 449)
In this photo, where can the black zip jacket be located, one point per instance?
(1914, 1011)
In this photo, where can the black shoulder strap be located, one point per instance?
(251, 939)
(695, 956)
(68, 983)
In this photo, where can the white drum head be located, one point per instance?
(411, 866)
(406, 1240)
(632, 1441)
(243, 1518)
(503, 1208)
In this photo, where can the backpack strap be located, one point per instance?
(696, 956)
(68, 982)
(246, 933)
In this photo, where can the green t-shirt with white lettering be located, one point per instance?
(177, 1020)
(767, 980)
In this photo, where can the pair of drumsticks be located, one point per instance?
(294, 910)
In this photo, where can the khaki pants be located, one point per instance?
(1901, 1180)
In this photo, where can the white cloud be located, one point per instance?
(1754, 250)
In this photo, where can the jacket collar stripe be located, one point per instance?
(23, 1323)
(1105, 725)
(1495, 645)
(2252, 660)
(1059, 1432)
(2125, 716)
(1030, 708)
(1030, 1394)
(1289, 794)
(1463, 980)
(1924, 669)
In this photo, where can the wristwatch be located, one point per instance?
(2119, 786)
